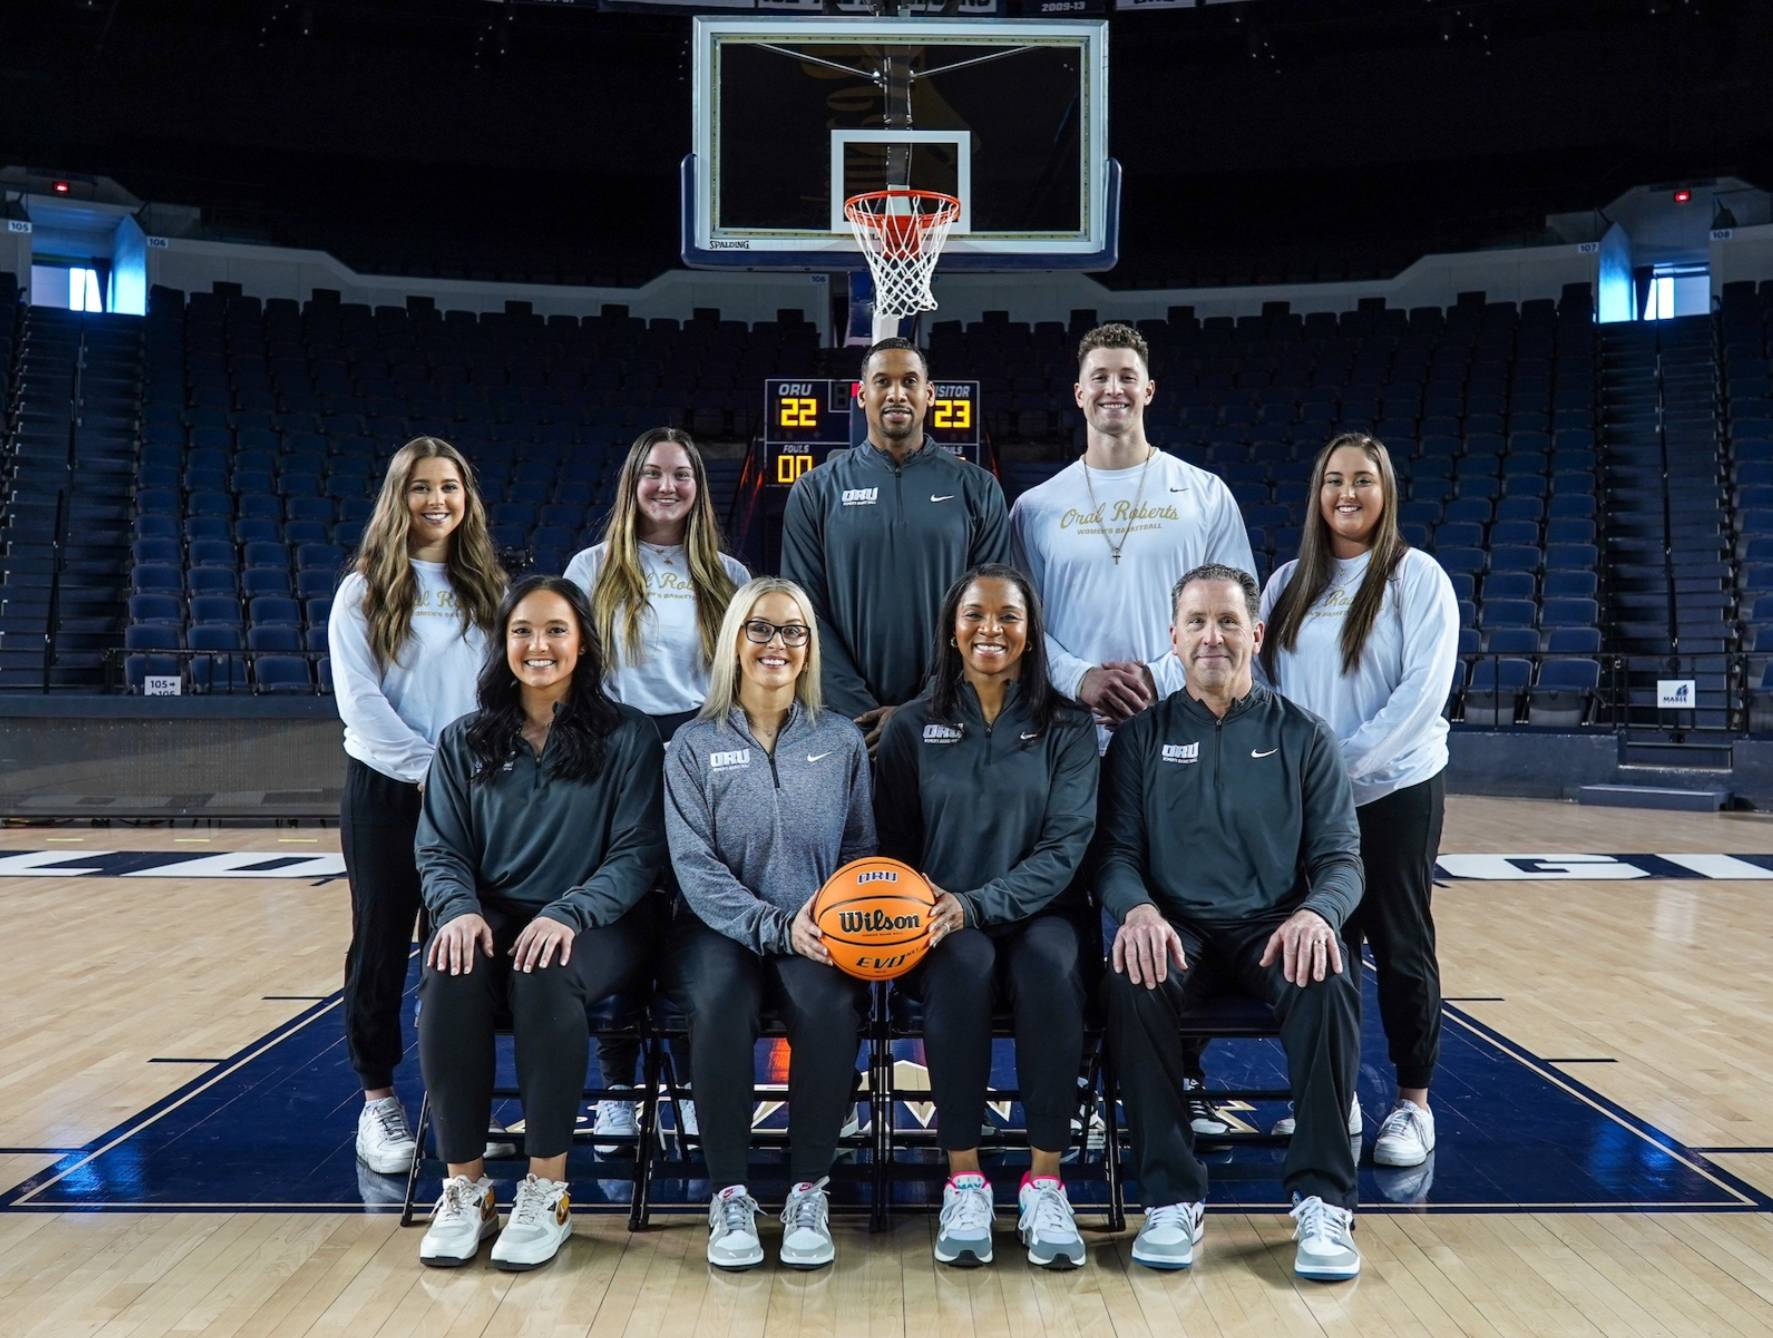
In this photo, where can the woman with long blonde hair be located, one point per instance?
(766, 796)
(659, 586)
(1363, 630)
(407, 636)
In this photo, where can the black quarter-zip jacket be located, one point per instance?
(579, 851)
(1217, 821)
(876, 545)
(1000, 815)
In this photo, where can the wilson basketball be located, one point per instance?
(874, 915)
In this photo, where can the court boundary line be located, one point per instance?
(1745, 1198)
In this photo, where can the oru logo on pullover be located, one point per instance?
(861, 496)
(1182, 752)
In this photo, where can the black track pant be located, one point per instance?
(548, 1010)
(378, 818)
(619, 1056)
(1400, 838)
(1032, 964)
(1320, 1030)
(724, 988)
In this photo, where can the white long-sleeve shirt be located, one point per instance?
(1387, 713)
(668, 676)
(393, 715)
(1099, 610)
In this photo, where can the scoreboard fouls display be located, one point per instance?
(805, 420)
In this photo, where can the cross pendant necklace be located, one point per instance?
(1114, 549)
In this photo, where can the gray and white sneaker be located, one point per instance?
(963, 1233)
(806, 1226)
(465, 1216)
(384, 1138)
(541, 1222)
(1203, 1116)
(615, 1118)
(1283, 1128)
(1407, 1136)
(1325, 1234)
(1047, 1226)
(1170, 1233)
(732, 1230)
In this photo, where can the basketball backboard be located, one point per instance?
(794, 115)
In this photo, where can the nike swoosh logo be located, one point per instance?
(1034, 735)
(948, 498)
(1178, 490)
(814, 757)
(1270, 753)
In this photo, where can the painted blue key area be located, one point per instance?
(272, 1128)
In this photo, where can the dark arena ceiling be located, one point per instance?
(1271, 123)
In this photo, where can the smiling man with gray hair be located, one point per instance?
(1230, 860)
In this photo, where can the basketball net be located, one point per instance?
(901, 233)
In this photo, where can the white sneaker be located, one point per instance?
(1170, 1233)
(1203, 1116)
(384, 1138)
(541, 1221)
(963, 1233)
(496, 1146)
(1325, 1234)
(617, 1119)
(465, 1215)
(1284, 1128)
(806, 1226)
(1407, 1136)
(1047, 1226)
(732, 1230)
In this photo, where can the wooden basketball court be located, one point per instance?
(1621, 1185)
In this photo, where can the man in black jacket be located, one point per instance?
(1231, 860)
(876, 535)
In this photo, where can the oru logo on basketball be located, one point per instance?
(876, 922)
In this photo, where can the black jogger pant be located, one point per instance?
(378, 818)
(723, 988)
(1400, 838)
(1320, 1031)
(1033, 964)
(618, 1057)
(548, 1008)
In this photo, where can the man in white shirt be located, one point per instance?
(1104, 540)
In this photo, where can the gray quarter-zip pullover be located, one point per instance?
(754, 834)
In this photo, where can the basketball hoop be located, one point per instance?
(901, 233)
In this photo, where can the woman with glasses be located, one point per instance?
(766, 796)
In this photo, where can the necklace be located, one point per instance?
(1115, 548)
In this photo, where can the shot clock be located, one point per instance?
(805, 420)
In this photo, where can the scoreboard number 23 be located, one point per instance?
(956, 414)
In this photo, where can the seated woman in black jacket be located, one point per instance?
(987, 783)
(541, 831)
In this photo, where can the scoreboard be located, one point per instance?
(805, 420)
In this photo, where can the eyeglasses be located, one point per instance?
(763, 632)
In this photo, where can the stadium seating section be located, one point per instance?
(1601, 496)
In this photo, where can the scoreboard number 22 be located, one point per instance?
(797, 412)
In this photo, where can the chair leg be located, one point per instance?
(645, 1146)
(418, 1155)
(1117, 1207)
